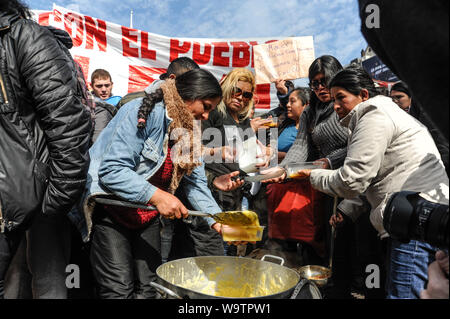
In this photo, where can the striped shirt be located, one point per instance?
(320, 135)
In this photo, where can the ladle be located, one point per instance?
(232, 218)
(320, 274)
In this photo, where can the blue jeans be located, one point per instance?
(408, 269)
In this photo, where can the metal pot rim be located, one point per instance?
(320, 269)
(167, 284)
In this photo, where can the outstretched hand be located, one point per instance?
(302, 174)
(226, 183)
(323, 162)
(218, 228)
(276, 179)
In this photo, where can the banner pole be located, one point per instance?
(131, 19)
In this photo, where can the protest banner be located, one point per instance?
(286, 59)
(135, 58)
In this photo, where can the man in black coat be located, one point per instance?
(45, 132)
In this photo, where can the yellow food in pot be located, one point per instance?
(236, 284)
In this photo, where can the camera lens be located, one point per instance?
(409, 216)
(397, 216)
(437, 233)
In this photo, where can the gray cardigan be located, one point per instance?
(320, 135)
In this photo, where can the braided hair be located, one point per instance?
(196, 84)
(147, 106)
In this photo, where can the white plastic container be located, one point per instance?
(247, 156)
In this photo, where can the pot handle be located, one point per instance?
(164, 291)
(300, 286)
(273, 257)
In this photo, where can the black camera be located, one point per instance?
(409, 216)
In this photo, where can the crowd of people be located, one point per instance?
(71, 150)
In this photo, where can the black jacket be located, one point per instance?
(44, 127)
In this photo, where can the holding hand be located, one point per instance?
(226, 183)
(280, 85)
(277, 179)
(267, 154)
(218, 228)
(301, 174)
(258, 123)
(337, 220)
(228, 153)
(168, 205)
(437, 287)
(323, 162)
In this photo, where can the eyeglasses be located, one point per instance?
(315, 84)
(238, 92)
(396, 98)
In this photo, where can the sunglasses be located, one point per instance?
(316, 84)
(238, 92)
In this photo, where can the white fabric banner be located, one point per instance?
(135, 58)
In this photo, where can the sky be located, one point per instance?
(334, 24)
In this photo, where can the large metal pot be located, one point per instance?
(225, 277)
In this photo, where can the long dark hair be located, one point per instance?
(327, 65)
(401, 87)
(197, 84)
(15, 6)
(354, 79)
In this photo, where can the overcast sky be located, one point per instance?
(334, 24)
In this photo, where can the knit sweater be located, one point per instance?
(320, 135)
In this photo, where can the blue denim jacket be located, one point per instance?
(124, 158)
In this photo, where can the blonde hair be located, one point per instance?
(228, 83)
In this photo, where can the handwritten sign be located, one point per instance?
(284, 59)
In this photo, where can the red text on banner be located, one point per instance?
(135, 44)
(141, 76)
